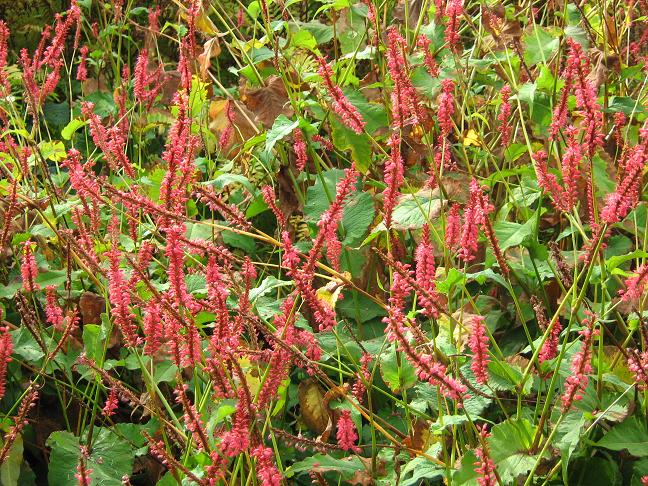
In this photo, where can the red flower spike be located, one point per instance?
(346, 432)
(478, 343)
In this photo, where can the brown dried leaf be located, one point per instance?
(314, 413)
(210, 49)
(91, 306)
(364, 477)
(420, 435)
(268, 102)
(243, 129)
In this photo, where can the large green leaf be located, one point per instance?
(110, 458)
(344, 468)
(630, 434)
(510, 443)
(539, 46)
(281, 127)
(421, 468)
(358, 215)
(512, 234)
(375, 117)
(397, 373)
(10, 468)
(358, 210)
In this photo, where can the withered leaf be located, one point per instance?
(211, 49)
(242, 123)
(91, 306)
(314, 412)
(420, 435)
(268, 102)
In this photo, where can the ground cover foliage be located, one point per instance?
(323, 242)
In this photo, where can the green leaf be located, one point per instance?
(199, 231)
(421, 468)
(345, 468)
(358, 215)
(54, 150)
(375, 117)
(639, 470)
(320, 195)
(466, 474)
(9, 291)
(615, 262)
(56, 114)
(25, 346)
(397, 376)
(237, 240)
(303, 39)
(568, 435)
(359, 144)
(454, 277)
(72, 127)
(51, 277)
(626, 105)
(512, 234)
(510, 442)
(267, 285)
(360, 307)
(595, 471)
(321, 32)
(104, 103)
(165, 372)
(92, 341)
(358, 210)
(630, 434)
(578, 34)
(10, 469)
(446, 421)
(539, 46)
(281, 127)
(110, 458)
(603, 182)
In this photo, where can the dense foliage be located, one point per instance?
(324, 241)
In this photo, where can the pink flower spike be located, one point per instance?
(504, 116)
(453, 10)
(53, 312)
(266, 470)
(478, 343)
(485, 466)
(6, 349)
(28, 268)
(394, 177)
(82, 68)
(301, 151)
(112, 403)
(635, 286)
(581, 366)
(341, 105)
(453, 228)
(446, 107)
(426, 274)
(430, 63)
(406, 109)
(346, 432)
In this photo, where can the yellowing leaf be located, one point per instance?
(314, 412)
(251, 377)
(202, 21)
(472, 138)
(330, 293)
(205, 25)
(210, 49)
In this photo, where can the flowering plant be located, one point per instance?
(315, 242)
